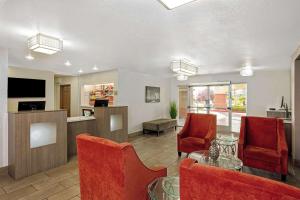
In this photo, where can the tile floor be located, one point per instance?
(62, 183)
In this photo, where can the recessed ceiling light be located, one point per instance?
(80, 71)
(95, 68)
(67, 63)
(45, 44)
(29, 57)
(246, 71)
(170, 4)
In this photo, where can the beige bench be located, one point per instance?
(159, 125)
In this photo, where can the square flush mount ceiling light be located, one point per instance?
(45, 44)
(170, 4)
(246, 71)
(183, 67)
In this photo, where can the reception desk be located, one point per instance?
(76, 126)
(37, 141)
(108, 122)
(112, 122)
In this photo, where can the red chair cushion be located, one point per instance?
(193, 141)
(199, 125)
(261, 132)
(262, 154)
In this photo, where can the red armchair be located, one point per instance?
(197, 133)
(199, 182)
(112, 171)
(262, 144)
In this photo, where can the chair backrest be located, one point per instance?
(206, 182)
(199, 124)
(101, 166)
(261, 132)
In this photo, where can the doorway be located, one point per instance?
(65, 98)
(226, 100)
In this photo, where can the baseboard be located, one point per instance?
(134, 134)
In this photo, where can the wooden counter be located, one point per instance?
(76, 126)
(112, 122)
(37, 141)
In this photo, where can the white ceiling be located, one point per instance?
(142, 35)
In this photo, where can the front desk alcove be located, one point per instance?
(37, 141)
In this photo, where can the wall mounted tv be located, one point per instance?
(26, 88)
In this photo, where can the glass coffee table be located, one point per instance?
(227, 143)
(164, 188)
(225, 161)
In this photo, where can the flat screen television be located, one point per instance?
(22, 88)
(31, 105)
(101, 103)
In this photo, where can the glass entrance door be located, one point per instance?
(214, 99)
(220, 105)
(199, 99)
(226, 100)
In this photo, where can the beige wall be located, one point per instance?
(132, 94)
(77, 82)
(33, 74)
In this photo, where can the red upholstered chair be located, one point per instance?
(112, 171)
(262, 144)
(199, 182)
(197, 133)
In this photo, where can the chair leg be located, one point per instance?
(179, 153)
(283, 177)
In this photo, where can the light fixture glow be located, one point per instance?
(45, 44)
(246, 71)
(170, 4)
(182, 77)
(95, 68)
(68, 63)
(29, 57)
(184, 67)
(80, 71)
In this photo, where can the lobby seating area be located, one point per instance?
(64, 183)
(150, 100)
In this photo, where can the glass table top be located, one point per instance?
(164, 188)
(226, 140)
(225, 161)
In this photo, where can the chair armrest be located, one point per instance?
(242, 141)
(210, 136)
(182, 134)
(282, 144)
(184, 131)
(242, 138)
(212, 131)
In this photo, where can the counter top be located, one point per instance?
(80, 118)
